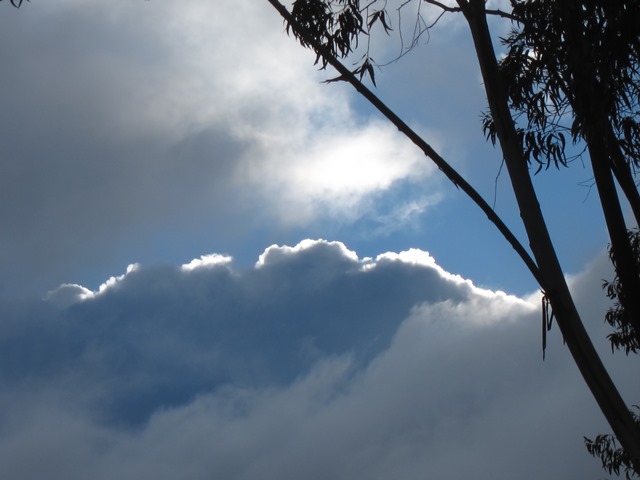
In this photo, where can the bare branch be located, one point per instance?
(502, 14)
(444, 7)
(496, 12)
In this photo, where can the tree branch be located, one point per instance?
(448, 170)
(496, 12)
(444, 7)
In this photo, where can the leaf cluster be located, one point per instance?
(337, 25)
(16, 3)
(334, 24)
(624, 336)
(614, 459)
(548, 38)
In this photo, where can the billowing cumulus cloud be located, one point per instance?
(314, 363)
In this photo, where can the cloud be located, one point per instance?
(207, 261)
(315, 363)
(338, 171)
(129, 118)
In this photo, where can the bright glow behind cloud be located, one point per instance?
(207, 261)
(308, 155)
(308, 152)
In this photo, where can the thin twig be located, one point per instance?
(497, 12)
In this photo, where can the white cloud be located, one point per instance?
(312, 364)
(205, 261)
(335, 171)
(68, 294)
(404, 215)
(277, 254)
(113, 281)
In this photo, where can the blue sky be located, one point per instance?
(168, 307)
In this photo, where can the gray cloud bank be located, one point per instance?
(314, 364)
(122, 121)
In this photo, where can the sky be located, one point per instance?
(214, 265)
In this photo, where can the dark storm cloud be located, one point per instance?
(314, 364)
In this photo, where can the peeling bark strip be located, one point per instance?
(546, 267)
